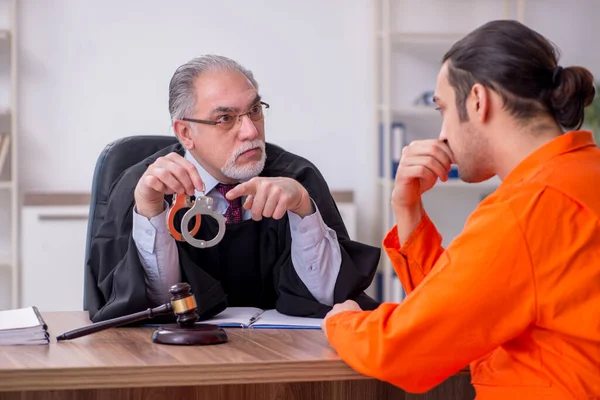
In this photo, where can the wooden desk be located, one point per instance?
(123, 363)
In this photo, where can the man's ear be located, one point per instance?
(478, 104)
(184, 133)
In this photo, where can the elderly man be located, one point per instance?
(285, 245)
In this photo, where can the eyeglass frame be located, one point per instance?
(239, 117)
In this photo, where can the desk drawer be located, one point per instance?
(52, 257)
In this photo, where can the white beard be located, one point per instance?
(248, 171)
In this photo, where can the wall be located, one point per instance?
(570, 25)
(94, 71)
(5, 169)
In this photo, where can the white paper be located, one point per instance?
(18, 319)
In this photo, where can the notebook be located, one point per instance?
(250, 317)
(23, 326)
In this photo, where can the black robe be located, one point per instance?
(252, 266)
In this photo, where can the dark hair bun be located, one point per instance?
(575, 91)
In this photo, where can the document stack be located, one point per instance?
(23, 326)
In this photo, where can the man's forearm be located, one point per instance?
(316, 255)
(407, 220)
(158, 254)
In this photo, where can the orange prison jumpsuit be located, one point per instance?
(516, 295)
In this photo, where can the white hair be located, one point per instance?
(182, 97)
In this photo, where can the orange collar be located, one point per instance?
(565, 143)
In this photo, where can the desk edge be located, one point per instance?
(174, 375)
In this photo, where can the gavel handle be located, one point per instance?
(111, 323)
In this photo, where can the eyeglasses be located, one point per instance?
(228, 121)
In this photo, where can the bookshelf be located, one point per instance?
(406, 62)
(9, 188)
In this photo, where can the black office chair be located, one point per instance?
(116, 157)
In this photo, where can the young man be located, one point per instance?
(285, 245)
(517, 294)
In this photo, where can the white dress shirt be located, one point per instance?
(316, 254)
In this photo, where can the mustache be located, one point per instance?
(255, 144)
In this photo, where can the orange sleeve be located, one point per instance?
(479, 294)
(417, 257)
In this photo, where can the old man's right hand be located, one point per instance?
(167, 175)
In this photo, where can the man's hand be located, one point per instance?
(167, 175)
(422, 163)
(348, 305)
(272, 197)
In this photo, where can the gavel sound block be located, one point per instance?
(185, 332)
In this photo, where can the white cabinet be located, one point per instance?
(52, 257)
(344, 200)
(348, 214)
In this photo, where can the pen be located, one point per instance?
(254, 317)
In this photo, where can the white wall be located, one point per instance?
(96, 71)
(572, 26)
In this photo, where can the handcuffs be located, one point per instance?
(203, 205)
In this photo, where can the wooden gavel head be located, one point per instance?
(187, 332)
(184, 304)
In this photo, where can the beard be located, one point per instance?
(249, 170)
(472, 156)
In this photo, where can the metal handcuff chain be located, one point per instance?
(203, 205)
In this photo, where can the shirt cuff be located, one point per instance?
(310, 230)
(145, 230)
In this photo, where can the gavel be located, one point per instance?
(186, 331)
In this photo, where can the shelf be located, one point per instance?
(490, 184)
(413, 111)
(5, 259)
(423, 37)
(408, 57)
(6, 185)
(421, 122)
(428, 46)
(4, 34)
(426, 37)
(389, 184)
